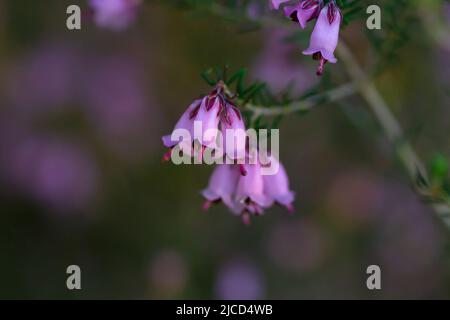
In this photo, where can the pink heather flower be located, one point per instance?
(276, 187)
(276, 3)
(304, 11)
(222, 186)
(233, 125)
(114, 14)
(209, 115)
(185, 122)
(325, 36)
(215, 112)
(250, 196)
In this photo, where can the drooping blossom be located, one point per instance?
(234, 134)
(185, 122)
(114, 14)
(276, 3)
(215, 112)
(222, 186)
(250, 194)
(276, 186)
(325, 36)
(304, 11)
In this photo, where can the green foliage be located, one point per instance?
(439, 175)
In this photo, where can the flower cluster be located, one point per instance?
(216, 113)
(248, 194)
(325, 36)
(240, 184)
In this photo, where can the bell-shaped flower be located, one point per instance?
(208, 117)
(183, 126)
(276, 186)
(304, 11)
(325, 36)
(222, 186)
(233, 132)
(250, 195)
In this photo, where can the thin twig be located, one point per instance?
(306, 104)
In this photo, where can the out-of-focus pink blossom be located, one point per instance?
(325, 36)
(58, 174)
(119, 106)
(278, 65)
(44, 81)
(114, 14)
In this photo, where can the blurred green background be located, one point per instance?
(82, 182)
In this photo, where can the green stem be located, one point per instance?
(306, 104)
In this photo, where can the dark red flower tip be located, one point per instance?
(194, 112)
(333, 11)
(242, 170)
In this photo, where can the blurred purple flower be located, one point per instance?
(278, 65)
(239, 280)
(114, 14)
(115, 102)
(58, 174)
(44, 81)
